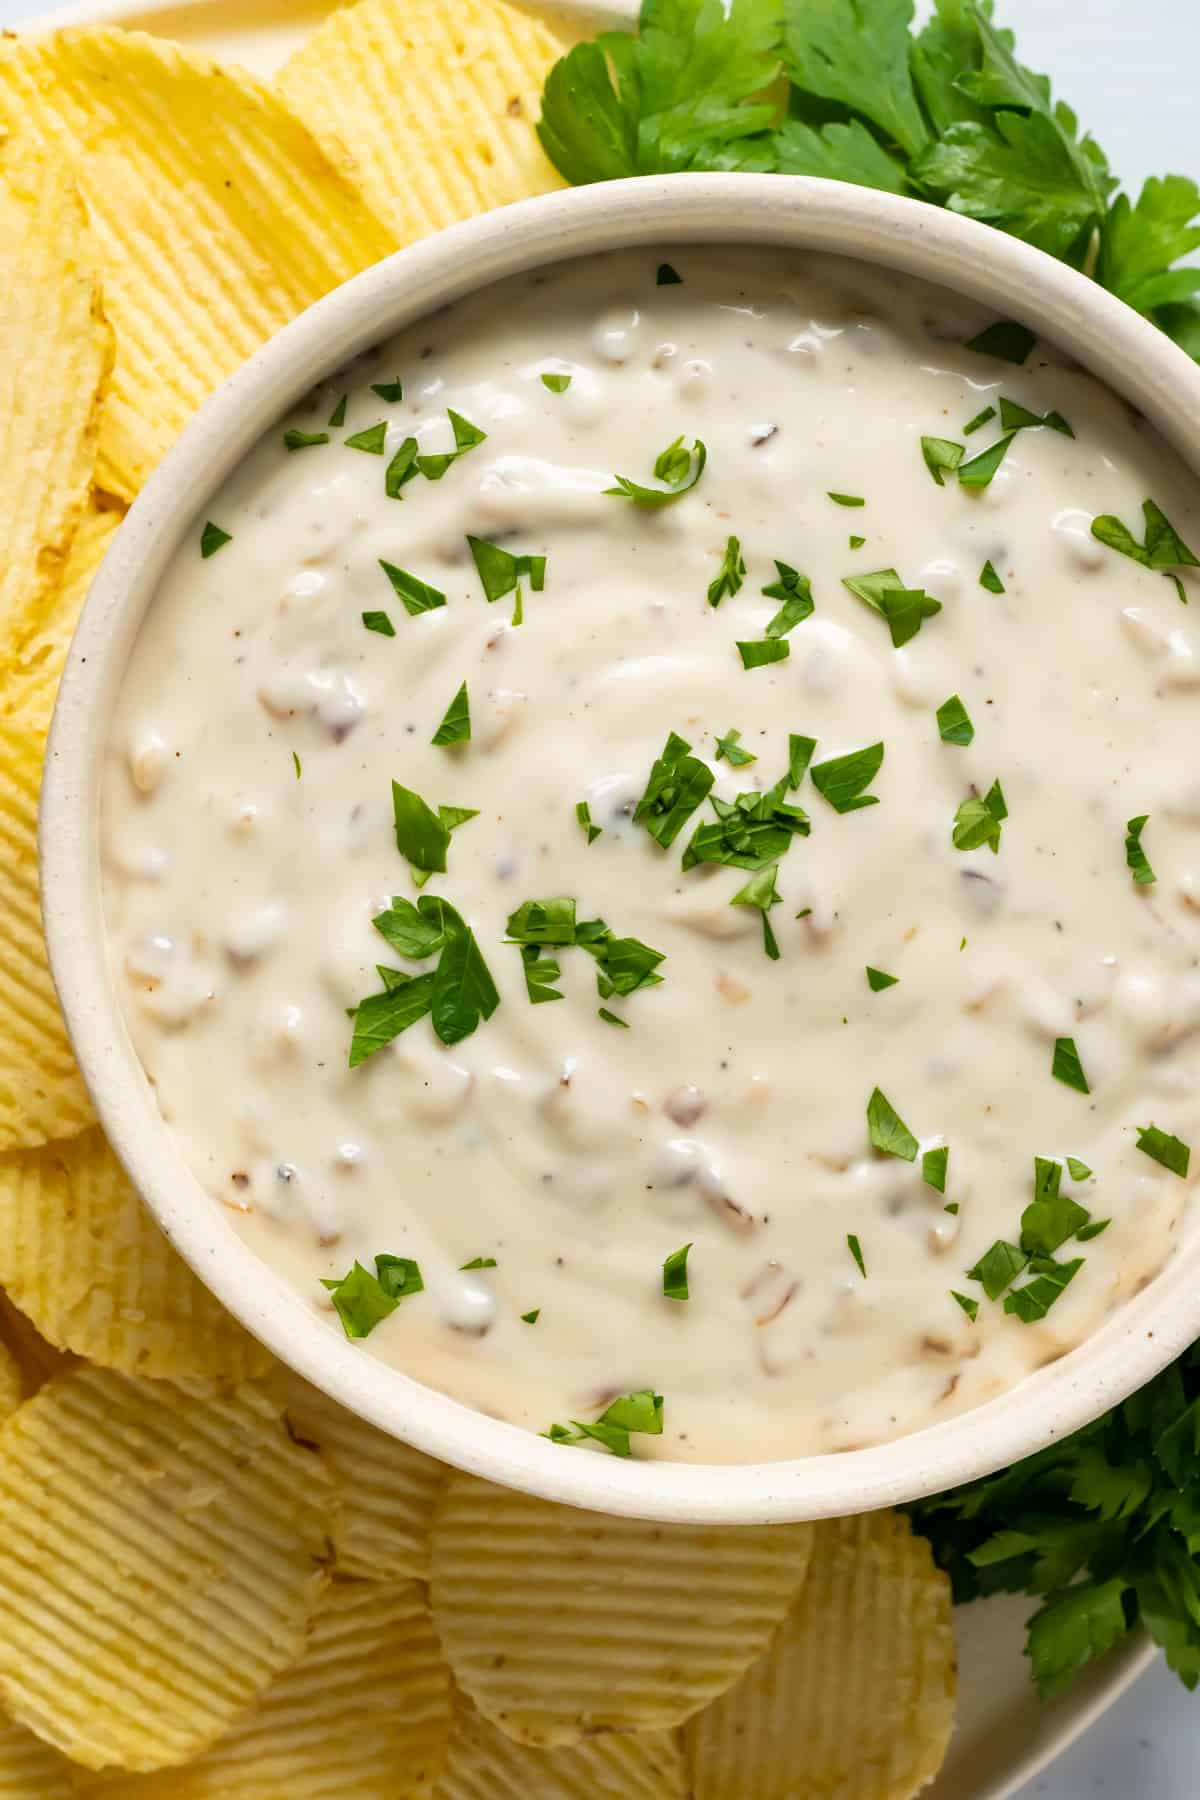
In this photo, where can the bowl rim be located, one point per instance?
(792, 212)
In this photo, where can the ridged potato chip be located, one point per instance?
(216, 214)
(161, 1557)
(55, 355)
(365, 1713)
(485, 1764)
(32, 665)
(388, 1489)
(12, 1385)
(37, 1360)
(560, 1624)
(436, 104)
(29, 1769)
(41, 1091)
(82, 1258)
(855, 1698)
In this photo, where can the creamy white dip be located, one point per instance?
(248, 843)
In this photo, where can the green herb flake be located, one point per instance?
(212, 539)
(977, 822)
(978, 473)
(1078, 1171)
(989, 579)
(668, 276)
(1033, 1301)
(760, 891)
(1015, 417)
(1066, 1066)
(842, 780)
(1005, 340)
(479, 1262)
(1161, 548)
(856, 542)
(372, 440)
(679, 468)
(675, 1275)
(557, 384)
(677, 784)
(1135, 857)
(501, 572)
(795, 591)
(887, 1131)
(1051, 1217)
(402, 469)
(905, 609)
(846, 499)
(855, 1249)
(877, 980)
(611, 1018)
(731, 574)
(729, 748)
(954, 724)
(466, 437)
(583, 815)
(998, 1268)
(417, 596)
(455, 727)
(757, 653)
(980, 420)
(969, 1306)
(380, 622)
(531, 1318)
(337, 417)
(296, 764)
(1170, 1151)
(1092, 1229)
(391, 391)
(942, 457)
(294, 440)
(362, 1300)
(422, 837)
(934, 1164)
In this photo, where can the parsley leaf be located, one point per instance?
(832, 52)
(731, 575)
(415, 931)
(392, 391)
(543, 922)
(1170, 1151)
(751, 831)
(942, 457)
(362, 1300)
(842, 780)
(1015, 417)
(886, 1129)
(1066, 1066)
(1139, 243)
(1034, 1299)
(418, 596)
(422, 836)
(337, 417)
(795, 591)
(667, 276)
(675, 1275)
(294, 440)
(980, 419)
(1051, 1217)
(641, 1412)
(583, 814)
(557, 384)
(1135, 857)
(500, 571)
(212, 539)
(381, 1017)
(855, 1249)
(969, 1306)
(1005, 340)
(998, 1267)
(877, 980)
(761, 891)
(1163, 547)
(905, 609)
(372, 440)
(677, 785)
(989, 579)
(842, 500)
(455, 727)
(402, 469)
(756, 653)
(730, 748)
(977, 822)
(954, 724)
(463, 990)
(380, 622)
(980, 470)
(933, 1167)
(680, 469)
(466, 437)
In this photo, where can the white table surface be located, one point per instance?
(1132, 73)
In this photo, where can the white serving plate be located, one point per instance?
(1004, 1736)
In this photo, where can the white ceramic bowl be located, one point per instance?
(1134, 358)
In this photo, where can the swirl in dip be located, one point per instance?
(783, 903)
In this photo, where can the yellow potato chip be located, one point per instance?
(365, 1714)
(12, 1383)
(560, 1623)
(37, 1360)
(216, 215)
(55, 353)
(388, 1489)
(29, 1769)
(40, 636)
(41, 1091)
(81, 1256)
(436, 104)
(161, 1556)
(855, 1698)
(485, 1764)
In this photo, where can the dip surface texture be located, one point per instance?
(249, 840)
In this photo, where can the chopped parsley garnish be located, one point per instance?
(466, 437)
(905, 609)
(846, 499)
(1005, 340)
(543, 922)
(416, 931)
(418, 596)
(337, 417)
(1067, 1067)
(855, 1249)
(303, 440)
(463, 990)
(678, 783)
(1162, 548)
(422, 836)
(760, 891)
(401, 469)
(668, 276)
(392, 391)
(730, 748)
(969, 1306)
(731, 574)
(977, 822)
(623, 964)
(1135, 856)
(479, 1262)
(989, 579)
(877, 980)
(531, 1318)
(1015, 417)
(212, 538)
(558, 384)
(795, 591)
(980, 419)
(296, 763)
(856, 542)
(382, 1017)
(583, 814)
(380, 622)
(455, 727)
(372, 440)
(942, 457)
(954, 724)
(675, 1275)
(457, 994)
(501, 572)
(1051, 1217)
(1078, 1171)
(842, 780)
(757, 653)
(998, 1268)
(979, 471)
(887, 1130)
(641, 1412)
(611, 1018)
(362, 1300)
(933, 1168)
(751, 831)
(1033, 1301)
(1170, 1151)
(679, 468)
(800, 754)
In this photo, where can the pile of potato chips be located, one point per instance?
(214, 1582)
